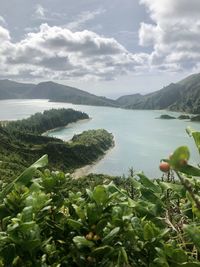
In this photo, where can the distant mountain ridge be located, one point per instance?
(183, 96)
(53, 92)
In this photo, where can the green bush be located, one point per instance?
(49, 219)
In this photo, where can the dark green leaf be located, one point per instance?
(81, 241)
(102, 251)
(111, 235)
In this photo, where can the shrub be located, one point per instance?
(46, 222)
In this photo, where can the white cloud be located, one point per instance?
(40, 12)
(174, 33)
(58, 53)
(4, 34)
(2, 21)
(173, 37)
(84, 17)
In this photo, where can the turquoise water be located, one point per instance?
(140, 139)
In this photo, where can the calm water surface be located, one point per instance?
(140, 139)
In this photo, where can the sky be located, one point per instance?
(109, 48)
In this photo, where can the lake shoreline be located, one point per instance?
(84, 171)
(141, 140)
(65, 127)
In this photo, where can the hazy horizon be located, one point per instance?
(114, 97)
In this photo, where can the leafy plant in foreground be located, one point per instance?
(49, 219)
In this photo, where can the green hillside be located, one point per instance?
(129, 100)
(12, 90)
(21, 143)
(182, 96)
(63, 93)
(53, 92)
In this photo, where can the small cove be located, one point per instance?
(140, 139)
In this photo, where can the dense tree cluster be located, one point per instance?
(50, 119)
(21, 143)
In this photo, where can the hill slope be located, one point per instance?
(181, 96)
(11, 90)
(53, 92)
(21, 143)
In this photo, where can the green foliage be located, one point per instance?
(45, 222)
(42, 122)
(21, 143)
(49, 219)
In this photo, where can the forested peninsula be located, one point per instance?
(48, 120)
(22, 143)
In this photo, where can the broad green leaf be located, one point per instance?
(178, 188)
(74, 224)
(180, 155)
(150, 196)
(111, 235)
(135, 183)
(100, 195)
(27, 214)
(179, 255)
(195, 135)
(102, 251)
(150, 231)
(189, 170)
(124, 254)
(193, 233)
(80, 211)
(81, 241)
(172, 186)
(26, 176)
(93, 213)
(132, 203)
(148, 183)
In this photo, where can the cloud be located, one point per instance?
(40, 12)
(84, 17)
(68, 52)
(59, 53)
(174, 33)
(43, 14)
(4, 34)
(46, 15)
(2, 21)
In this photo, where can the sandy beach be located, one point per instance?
(83, 171)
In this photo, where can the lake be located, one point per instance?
(141, 140)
